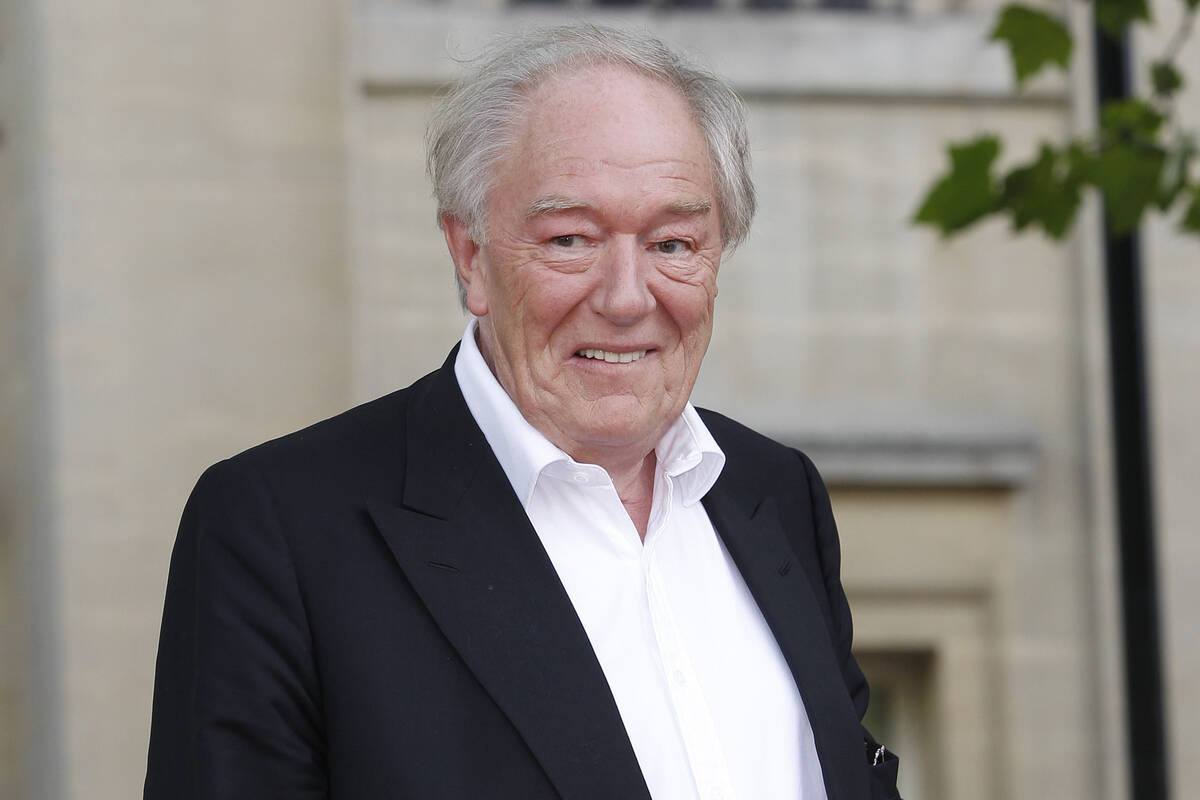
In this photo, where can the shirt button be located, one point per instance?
(716, 794)
(680, 678)
(581, 477)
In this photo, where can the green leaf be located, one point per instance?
(1191, 218)
(1113, 16)
(967, 192)
(1191, 3)
(1044, 193)
(1165, 78)
(1127, 120)
(1034, 40)
(1129, 177)
(1128, 166)
(1175, 170)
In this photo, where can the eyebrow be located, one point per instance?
(687, 208)
(554, 204)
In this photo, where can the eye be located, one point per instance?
(671, 247)
(569, 240)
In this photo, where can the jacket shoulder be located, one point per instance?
(359, 452)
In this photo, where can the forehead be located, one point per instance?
(603, 86)
(610, 121)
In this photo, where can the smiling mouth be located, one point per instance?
(611, 356)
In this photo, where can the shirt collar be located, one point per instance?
(687, 452)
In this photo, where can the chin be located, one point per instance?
(615, 426)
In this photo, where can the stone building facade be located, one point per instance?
(215, 228)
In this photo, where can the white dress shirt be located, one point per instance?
(707, 699)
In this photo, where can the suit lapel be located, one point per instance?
(749, 526)
(471, 554)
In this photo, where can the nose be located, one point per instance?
(622, 294)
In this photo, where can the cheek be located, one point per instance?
(546, 299)
(704, 303)
(508, 275)
(538, 305)
(689, 291)
(509, 291)
(691, 309)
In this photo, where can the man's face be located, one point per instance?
(595, 288)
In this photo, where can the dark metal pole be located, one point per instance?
(1133, 475)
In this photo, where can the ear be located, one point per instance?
(468, 263)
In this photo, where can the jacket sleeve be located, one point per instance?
(883, 768)
(236, 698)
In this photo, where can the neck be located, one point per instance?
(635, 487)
(632, 477)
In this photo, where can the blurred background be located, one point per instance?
(215, 228)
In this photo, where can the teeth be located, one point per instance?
(611, 356)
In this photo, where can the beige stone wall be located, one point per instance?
(405, 315)
(193, 260)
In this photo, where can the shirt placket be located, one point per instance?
(705, 755)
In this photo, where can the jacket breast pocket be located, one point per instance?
(884, 766)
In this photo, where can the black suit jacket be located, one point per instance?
(363, 610)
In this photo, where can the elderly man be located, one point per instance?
(537, 572)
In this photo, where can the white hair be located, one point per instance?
(473, 123)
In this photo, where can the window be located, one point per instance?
(901, 715)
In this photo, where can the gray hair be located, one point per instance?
(471, 129)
